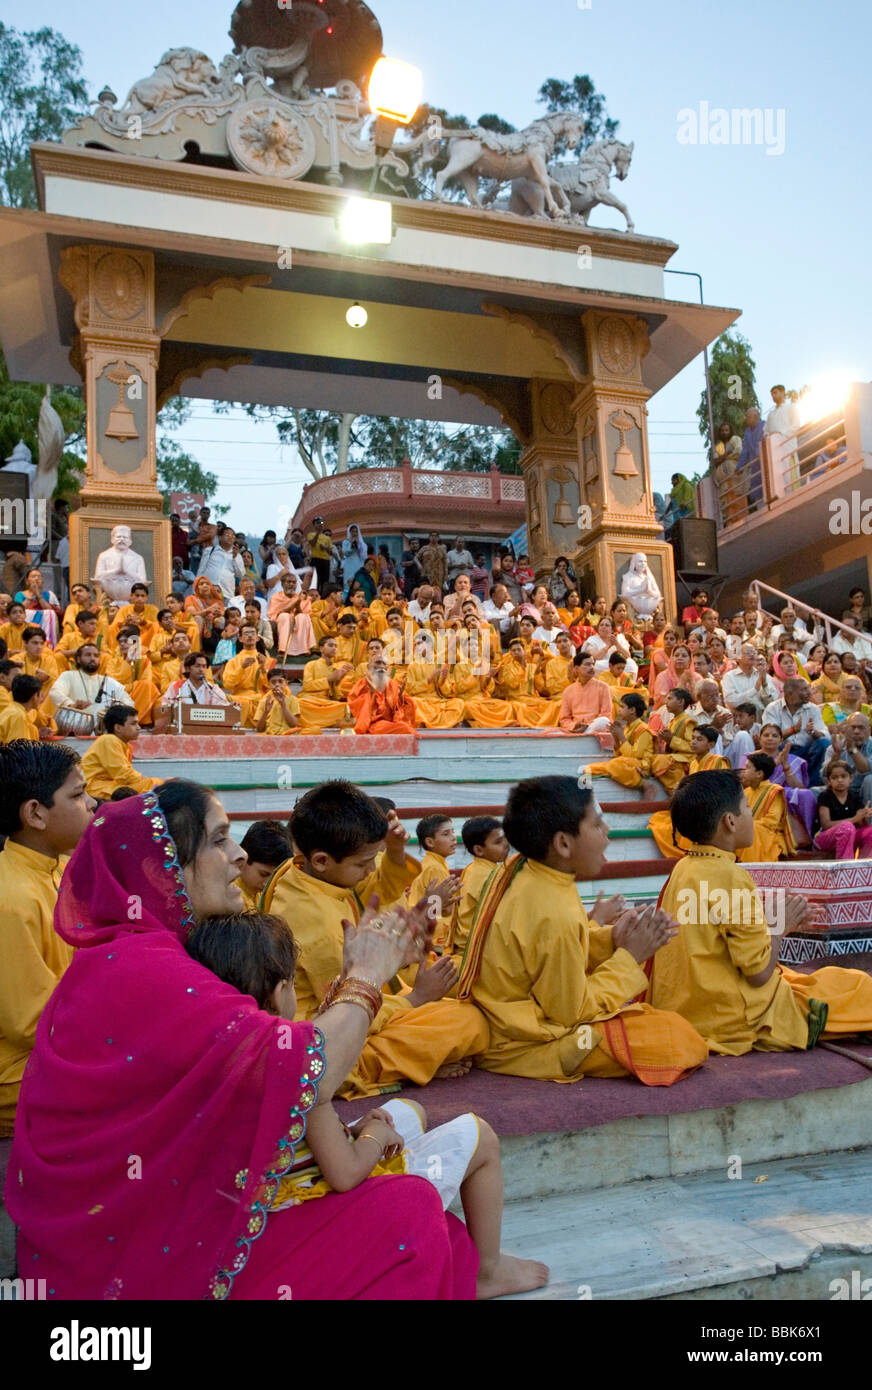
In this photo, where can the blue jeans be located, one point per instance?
(814, 753)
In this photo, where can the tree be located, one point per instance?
(42, 93)
(731, 374)
(177, 471)
(580, 95)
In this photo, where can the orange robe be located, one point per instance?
(479, 709)
(386, 711)
(138, 680)
(518, 684)
(432, 709)
(773, 834)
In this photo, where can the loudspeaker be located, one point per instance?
(695, 540)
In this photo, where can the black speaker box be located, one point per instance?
(695, 541)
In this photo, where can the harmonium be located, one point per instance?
(205, 719)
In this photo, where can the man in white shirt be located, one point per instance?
(549, 628)
(419, 608)
(499, 609)
(859, 645)
(84, 688)
(783, 418)
(748, 682)
(219, 565)
(247, 595)
(792, 626)
(709, 710)
(802, 725)
(195, 689)
(459, 559)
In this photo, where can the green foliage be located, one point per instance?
(19, 420)
(492, 122)
(177, 471)
(731, 373)
(580, 95)
(42, 93)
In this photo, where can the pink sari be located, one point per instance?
(669, 679)
(160, 1107)
(295, 631)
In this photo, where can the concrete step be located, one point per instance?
(784, 1229)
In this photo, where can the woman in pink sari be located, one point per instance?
(289, 608)
(161, 1107)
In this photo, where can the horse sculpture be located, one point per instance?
(484, 154)
(577, 187)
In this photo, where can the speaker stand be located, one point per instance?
(707, 579)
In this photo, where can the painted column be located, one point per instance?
(116, 352)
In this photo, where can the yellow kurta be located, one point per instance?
(34, 958)
(319, 707)
(434, 869)
(127, 616)
(65, 651)
(723, 938)
(517, 684)
(324, 619)
(432, 709)
(108, 764)
(479, 709)
(660, 823)
(472, 881)
(276, 724)
(621, 686)
(547, 973)
(246, 685)
(13, 637)
(632, 761)
(17, 722)
(404, 1043)
(138, 680)
(669, 768)
(251, 896)
(554, 677)
(44, 717)
(773, 834)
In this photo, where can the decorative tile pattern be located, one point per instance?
(195, 747)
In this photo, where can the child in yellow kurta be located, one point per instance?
(134, 671)
(553, 986)
(515, 682)
(9, 669)
(88, 626)
(485, 839)
(12, 631)
(338, 832)
(18, 717)
(634, 745)
(618, 681)
(321, 705)
(279, 711)
(702, 742)
(773, 834)
(108, 763)
(161, 650)
(555, 673)
(183, 621)
(81, 600)
(267, 844)
(351, 651)
(670, 766)
(721, 971)
(44, 810)
(325, 613)
(437, 842)
(138, 613)
(245, 675)
(38, 660)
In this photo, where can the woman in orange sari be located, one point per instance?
(205, 604)
(661, 652)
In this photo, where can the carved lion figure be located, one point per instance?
(181, 72)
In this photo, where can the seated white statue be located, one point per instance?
(119, 567)
(640, 588)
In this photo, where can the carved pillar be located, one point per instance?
(116, 352)
(552, 474)
(612, 443)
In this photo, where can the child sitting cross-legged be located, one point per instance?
(256, 954)
(721, 970)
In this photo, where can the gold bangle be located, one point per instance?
(366, 1135)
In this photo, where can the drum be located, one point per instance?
(75, 723)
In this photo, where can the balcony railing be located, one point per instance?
(784, 467)
(491, 493)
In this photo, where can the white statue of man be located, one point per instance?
(640, 588)
(119, 567)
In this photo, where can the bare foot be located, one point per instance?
(511, 1275)
(455, 1068)
(649, 788)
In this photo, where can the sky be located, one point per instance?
(782, 235)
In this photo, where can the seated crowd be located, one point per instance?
(250, 985)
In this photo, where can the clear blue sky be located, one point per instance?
(785, 238)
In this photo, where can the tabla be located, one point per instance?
(75, 723)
